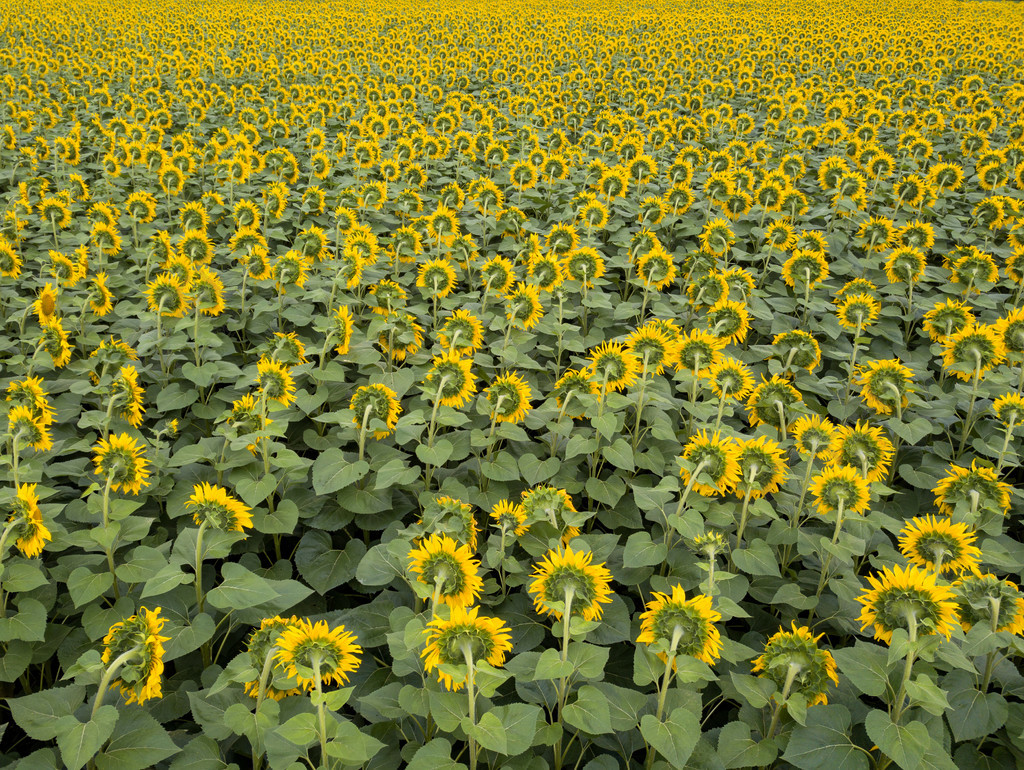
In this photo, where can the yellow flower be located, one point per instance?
(464, 638)
(462, 332)
(762, 467)
(714, 459)
(939, 545)
(26, 523)
(261, 642)
(437, 277)
(569, 577)
(907, 598)
(28, 427)
(383, 405)
(980, 598)
(841, 484)
(863, 447)
(812, 435)
(653, 348)
(120, 460)
(139, 639)
(974, 349)
(213, 505)
(798, 649)
(509, 396)
(311, 651)
(681, 626)
(858, 310)
(450, 379)
(884, 384)
(510, 517)
(448, 568)
(613, 366)
(275, 380)
(522, 305)
(976, 486)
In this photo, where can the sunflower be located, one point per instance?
(885, 385)
(262, 643)
(450, 379)
(275, 381)
(553, 505)
(858, 311)
(571, 384)
(707, 290)
(125, 389)
(977, 486)
(973, 350)
(807, 268)
(730, 379)
(698, 351)
(584, 265)
(289, 349)
(974, 268)
(794, 657)
(1010, 331)
(716, 237)
(1008, 409)
(121, 462)
(10, 262)
(509, 396)
(905, 265)
(497, 275)
(714, 459)
(841, 485)
(770, 401)
(137, 644)
(566, 581)
(939, 545)
(315, 653)
(729, 321)
(45, 305)
(437, 277)
(907, 598)
(856, 286)
(796, 348)
(762, 467)
(28, 427)
(100, 298)
(464, 638)
(388, 295)
(462, 333)
(613, 366)
(342, 325)
(653, 347)
(213, 505)
(510, 517)
(54, 341)
(522, 305)
(878, 232)
(546, 269)
(656, 268)
(167, 296)
(984, 599)
(440, 563)
(29, 392)
(947, 318)
(862, 447)
(403, 337)
(26, 523)
(813, 435)
(382, 403)
(681, 626)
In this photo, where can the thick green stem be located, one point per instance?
(968, 426)
(467, 654)
(990, 661)
(835, 539)
(791, 674)
(907, 668)
(362, 430)
(109, 675)
(321, 714)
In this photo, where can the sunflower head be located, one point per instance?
(805, 269)
(26, 522)
(275, 381)
(440, 563)
(1009, 409)
(795, 656)
(653, 347)
(675, 625)
(972, 351)
(762, 467)
(120, 460)
(573, 383)
(858, 311)
(613, 365)
(378, 401)
(715, 468)
(29, 426)
(729, 321)
(939, 545)
(308, 651)
(797, 349)
(863, 447)
(464, 638)
(978, 487)
(812, 435)
(462, 333)
(1010, 331)
(884, 384)
(564, 577)
(510, 517)
(509, 396)
(840, 485)
(263, 642)
(769, 402)
(214, 506)
(522, 305)
(947, 318)
(986, 600)
(138, 638)
(908, 598)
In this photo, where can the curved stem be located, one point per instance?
(909, 665)
(791, 672)
(108, 675)
(362, 430)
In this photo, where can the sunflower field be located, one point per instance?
(530, 385)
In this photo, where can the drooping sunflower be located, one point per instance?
(714, 459)
(100, 298)
(167, 296)
(981, 598)
(613, 366)
(29, 392)
(208, 292)
(977, 486)
(216, 507)
(45, 305)
(311, 651)
(585, 265)
(342, 325)
(729, 321)
(973, 350)
(902, 596)
(717, 236)
(522, 305)
(762, 467)
(465, 637)
(497, 275)
(1009, 409)
(54, 341)
(770, 401)
(448, 568)
(885, 383)
(656, 268)
(450, 379)
(796, 348)
(125, 389)
(120, 460)
(262, 643)
(28, 427)
(462, 333)
(863, 447)
(947, 318)
(681, 626)
(137, 643)
(939, 545)
(567, 577)
(510, 517)
(382, 403)
(275, 380)
(840, 485)
(730, 379)
(26, 522)
(509, 396)
(402, 337)
(794, 656)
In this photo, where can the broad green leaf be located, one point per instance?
(675, 738)
(80, 743)
(824, 743)
(589, 712)
(138, 742)
(43, 715)
(905, 744)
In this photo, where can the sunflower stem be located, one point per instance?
(106, 524)
(853, 358)
(108, 676)
(362, 430)
(663, 687)
(791, 672)
(721, 409)
(746, 503)
(782, 419)
(320, 712)
(467, 654)
(835, 539)
(968, 427)
(261, 694)
(640, 401)
(990, 661)
(561, 414)
(1006, 443)
(912, 631)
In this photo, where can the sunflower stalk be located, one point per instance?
(780, 409)
(640, 400)
(106, 524)
(835, 539)
(362, 430)
(682, 503)
(109, 675)
(897, 711)
(1006, 444)
(321, 714)
(754, 469)
(968, 421)
(794, 522)
(664, 685)
(853, 357)
(990, 660)
(780, 704)
(467, 654)
(721, 409)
